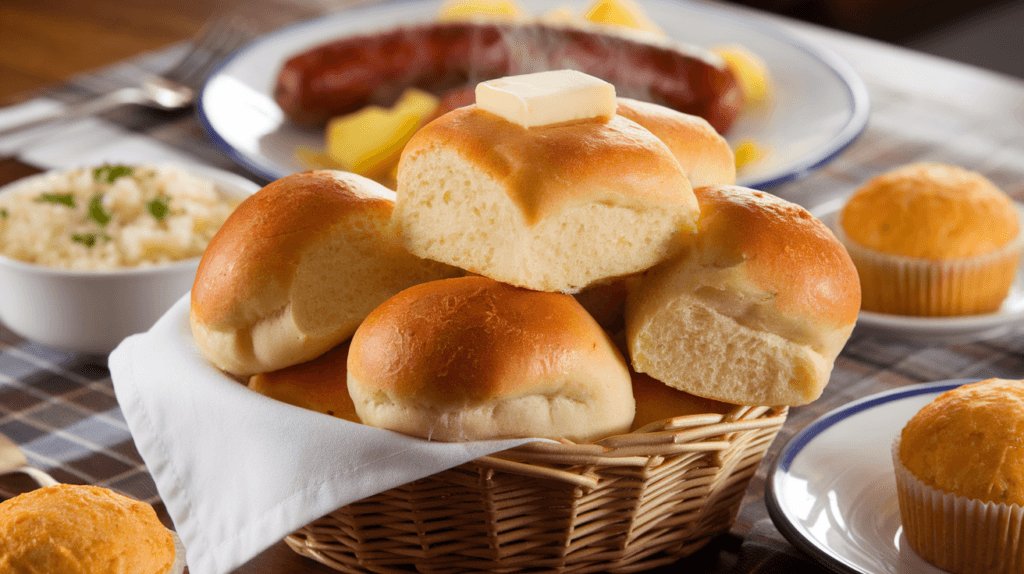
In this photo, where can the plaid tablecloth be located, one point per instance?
(60, 407)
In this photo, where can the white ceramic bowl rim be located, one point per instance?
(37, 268)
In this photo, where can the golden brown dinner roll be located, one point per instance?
(78, 529)
(932, 239)
(656, 401)
(706, 159)
(959, 466)
(753, 311)
(320, 384)
(295, 269)
(472, 359)
(703, 153)
(553, 208)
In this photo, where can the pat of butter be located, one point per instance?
(546, 98)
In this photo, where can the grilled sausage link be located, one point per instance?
(346, 74)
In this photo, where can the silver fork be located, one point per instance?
(175, 89)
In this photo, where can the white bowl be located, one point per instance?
(92, 311)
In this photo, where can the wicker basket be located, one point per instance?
(624, 504)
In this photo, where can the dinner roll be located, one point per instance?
(82, 529)
(755, 309)
(656, 401)
(320, 384)
(553, 208)
(296, 267)
(703, 153)
(472, 359)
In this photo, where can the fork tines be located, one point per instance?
(218, 39)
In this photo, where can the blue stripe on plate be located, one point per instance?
(801, 440)
(797, 444)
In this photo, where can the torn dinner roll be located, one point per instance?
(296, 268)
(474, 359)
(705, 156)
(754, 310)
(551, 208)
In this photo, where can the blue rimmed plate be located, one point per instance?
(832, 493)
(820, 104)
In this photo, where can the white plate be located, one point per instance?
(940, 330)
(832, 493)
(820, 105)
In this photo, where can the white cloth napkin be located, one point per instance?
(30, 110)
(239, 471)
(88, 141)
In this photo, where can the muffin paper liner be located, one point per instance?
(958, 534)
(926, 287)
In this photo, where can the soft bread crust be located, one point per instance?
(656, 401)
(80, 529)
(755, 309)
(705, 156)
(551, 208)
(930, 211)
(969, 441)
(320, 384)
(296, 267)
(474, 359)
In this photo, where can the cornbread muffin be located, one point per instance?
(932, 239)
(75, 529)
(960, 478)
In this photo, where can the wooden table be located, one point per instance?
(47, 41)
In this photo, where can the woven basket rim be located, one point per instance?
(567, 461)
(632, 507)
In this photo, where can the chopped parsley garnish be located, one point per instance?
(158, 207)
(67, 199)
(96, 211)
(3, 214)
(88, 239)
(110, 173)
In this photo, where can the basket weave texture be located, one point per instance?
(624, 504)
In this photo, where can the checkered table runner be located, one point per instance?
(60, 407)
